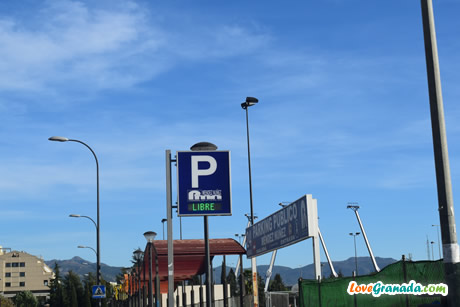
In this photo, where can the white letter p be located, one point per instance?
(202, 172)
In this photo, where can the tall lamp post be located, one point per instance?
(250, 101)
(97, 224)
(138, 256)
(150, 236)
(356, 255)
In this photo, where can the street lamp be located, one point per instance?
(432, 252)
(82, 246)
(97, 224)
(85, 216)
(89, 247)
(439, 239)
(138, 256)
(356, 255)
(250, 101)
(150, 236)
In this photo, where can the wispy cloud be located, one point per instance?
(72, 43)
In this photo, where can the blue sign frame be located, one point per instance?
(204, 183)
(99, 291)
(286, 226)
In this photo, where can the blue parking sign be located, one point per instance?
(204, 185)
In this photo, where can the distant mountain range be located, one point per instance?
(81, 267)
(290, 276)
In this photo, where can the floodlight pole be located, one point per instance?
(244, 245)
(355, 209)
(331, 266)
(450, 246)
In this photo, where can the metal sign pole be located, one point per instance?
(207, 262)
(170, 230)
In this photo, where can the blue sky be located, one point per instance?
(343, 115)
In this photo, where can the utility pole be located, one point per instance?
(441, 157)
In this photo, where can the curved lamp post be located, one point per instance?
(97, 224)
(150, 236)
(89, 247)
(82, 246)
(85, 216)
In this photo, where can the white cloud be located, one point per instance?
(73, 44)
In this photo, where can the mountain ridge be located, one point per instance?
(289, 275)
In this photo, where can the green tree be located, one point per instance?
(88, 282)
(231, 280)
(56, 290)
(73, 290)
(25, 299)
(6, 302)
(248, 286)
(277, 284)
(260, 287)
(340, 274)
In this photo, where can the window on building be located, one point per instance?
(22, 284)
(22, 274)
(22, 264)
(8, 264)
(15, 264)
(7, 284)
(45, 282)
(8, 274)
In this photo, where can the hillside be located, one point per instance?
(81, 266)
(290, 276)
(346, 267)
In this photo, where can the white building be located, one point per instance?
(20, 271)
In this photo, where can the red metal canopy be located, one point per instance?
(189, 258)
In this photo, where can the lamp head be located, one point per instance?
(250, 101)
(203, 146)
(150, 236)
(81, 246)
(58, 139)
(138, 254)
(74, 215)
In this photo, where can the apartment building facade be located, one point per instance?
(20, 271)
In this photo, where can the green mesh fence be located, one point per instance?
(333, 292)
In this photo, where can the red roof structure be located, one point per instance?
(189, 258)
